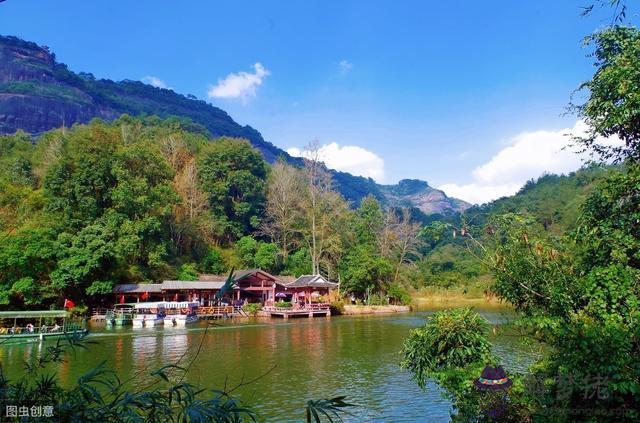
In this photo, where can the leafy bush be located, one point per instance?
(453, 338)
(337, 308)
(398, 293)
(79, 311)
(252, 308)
(100, 288)
(375, 299)
(285, 304)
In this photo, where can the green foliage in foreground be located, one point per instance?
(451, 338)
(579, 292)
(101, 396)
(451, 349)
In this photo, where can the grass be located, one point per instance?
(454, 296)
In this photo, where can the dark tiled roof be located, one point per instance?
(178, 285)
(206, 282)
(241, 274)
(212, 278)
(311, 281)
(137, 288)
(286, 279)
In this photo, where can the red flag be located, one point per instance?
(121, 299)
(68, 304)
(144, 296)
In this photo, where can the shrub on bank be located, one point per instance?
(79, 311)
(337, 307)
(252, 308)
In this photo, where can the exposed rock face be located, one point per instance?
(417, 193)
(38, 94)
(28, 89)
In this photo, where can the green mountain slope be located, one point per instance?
(552, 200)
(37, 93)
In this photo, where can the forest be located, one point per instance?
(144, 199)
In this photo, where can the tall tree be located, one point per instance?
(407, 239)
(318, 186)
(233, 175)
(612, 107)
(283, 211)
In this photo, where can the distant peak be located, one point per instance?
(411, 186)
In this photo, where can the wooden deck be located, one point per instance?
(309, 310)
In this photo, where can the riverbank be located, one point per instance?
(379, 309)
(456, 297)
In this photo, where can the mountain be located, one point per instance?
(418, 194)
(553, 201)
(37, 93)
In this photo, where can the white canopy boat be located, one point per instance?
(149, 314)
(180, 313)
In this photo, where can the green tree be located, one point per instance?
(214, 262)
(368, 221)
(233, 175)
(613, 99)
(298, 263)
(266, 257)
(362, 271)
(246, 249)
(188, 272)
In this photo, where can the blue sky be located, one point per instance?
(423, 89)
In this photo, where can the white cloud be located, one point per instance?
(155, 81)
(241, 85)
(349, 158)
(528, 156)
(345, 67)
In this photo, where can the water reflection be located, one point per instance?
(291, 361)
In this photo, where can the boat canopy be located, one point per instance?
(154, 304)
(29, 314)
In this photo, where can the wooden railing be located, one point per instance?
(214, 310)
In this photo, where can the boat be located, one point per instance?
(149, 314)
(180, 313)
(121, 315)
(37, 326)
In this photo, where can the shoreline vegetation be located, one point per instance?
(456, 297)
(352, 310)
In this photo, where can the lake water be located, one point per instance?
(293, 361)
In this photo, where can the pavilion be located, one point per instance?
(307, 288)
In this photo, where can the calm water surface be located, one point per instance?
(293, 361)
